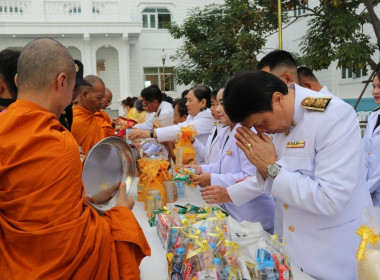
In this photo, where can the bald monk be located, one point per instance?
(103, 118)
(47, 230)
(87, 129)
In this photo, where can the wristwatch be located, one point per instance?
(152, 133)
(273, 170)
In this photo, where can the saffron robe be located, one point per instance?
(86, 128)
(47, 230)
(105, 122)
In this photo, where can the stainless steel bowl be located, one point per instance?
(110, 161)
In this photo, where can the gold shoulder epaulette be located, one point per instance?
(316, 103)
(376, 109)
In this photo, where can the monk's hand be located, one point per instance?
(122, 199)
(105, 195)
(258, 148)
(137, 133)
(198, 168)
(202, 180)
(215, 194)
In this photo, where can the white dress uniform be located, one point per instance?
(203, 123)
(232, 165)
(164, 115)
(371, 147)
(320, 191)
(209, 151)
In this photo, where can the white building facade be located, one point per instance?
(122, 41)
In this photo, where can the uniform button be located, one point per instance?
(286, 206)
(287, 133)
(367, 165)
(368, 153)
(291, 228)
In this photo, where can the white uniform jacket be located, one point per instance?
(211, 150)
(203, 123)
(320, 191)
(371, 147)
(232, 165)
(164, 115)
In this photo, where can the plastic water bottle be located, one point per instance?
(203, 233)
(173, 239)
(217, 264)
(177, 262)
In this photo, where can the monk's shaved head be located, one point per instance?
(40, 63)
(92, 80)
(92, 97)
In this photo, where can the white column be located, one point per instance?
(89, 57)
(124, 72)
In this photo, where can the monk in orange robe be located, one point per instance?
(103, 118)
(47, 230)
(86, 127)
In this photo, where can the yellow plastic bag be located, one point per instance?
(184, 150)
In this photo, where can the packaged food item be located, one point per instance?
(171, 191)
(368, 254)
(150, 206)
(184, 150)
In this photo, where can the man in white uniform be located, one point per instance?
(307, 79)
(160, 113)
(313, 168)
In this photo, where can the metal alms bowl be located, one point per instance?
(110, 161)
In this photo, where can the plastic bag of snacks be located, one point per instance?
(154, 173)
(184, 150)
(198, 245)
(368, 254)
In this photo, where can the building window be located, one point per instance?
(75, 11)
(154, 76)
(348, 73)
(298, 11)
(156, 18)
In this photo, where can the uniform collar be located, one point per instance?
(298, 110)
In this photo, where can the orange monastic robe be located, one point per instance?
(86, 128)
(47, 231)
(105, 122)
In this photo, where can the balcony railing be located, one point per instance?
(62, 8)
(14, 8)
(57, 9)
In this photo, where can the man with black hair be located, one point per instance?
(307, 79)
(160, 112)
(8, 69)
(312, 166)
(281, 64)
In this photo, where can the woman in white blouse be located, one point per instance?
(198, 102)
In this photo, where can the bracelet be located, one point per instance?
(152, 133)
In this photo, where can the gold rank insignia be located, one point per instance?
(76, 67)
(316, 103)
(296, 144)
(216, 123)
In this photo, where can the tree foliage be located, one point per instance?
(336, 33)
(221, 40)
